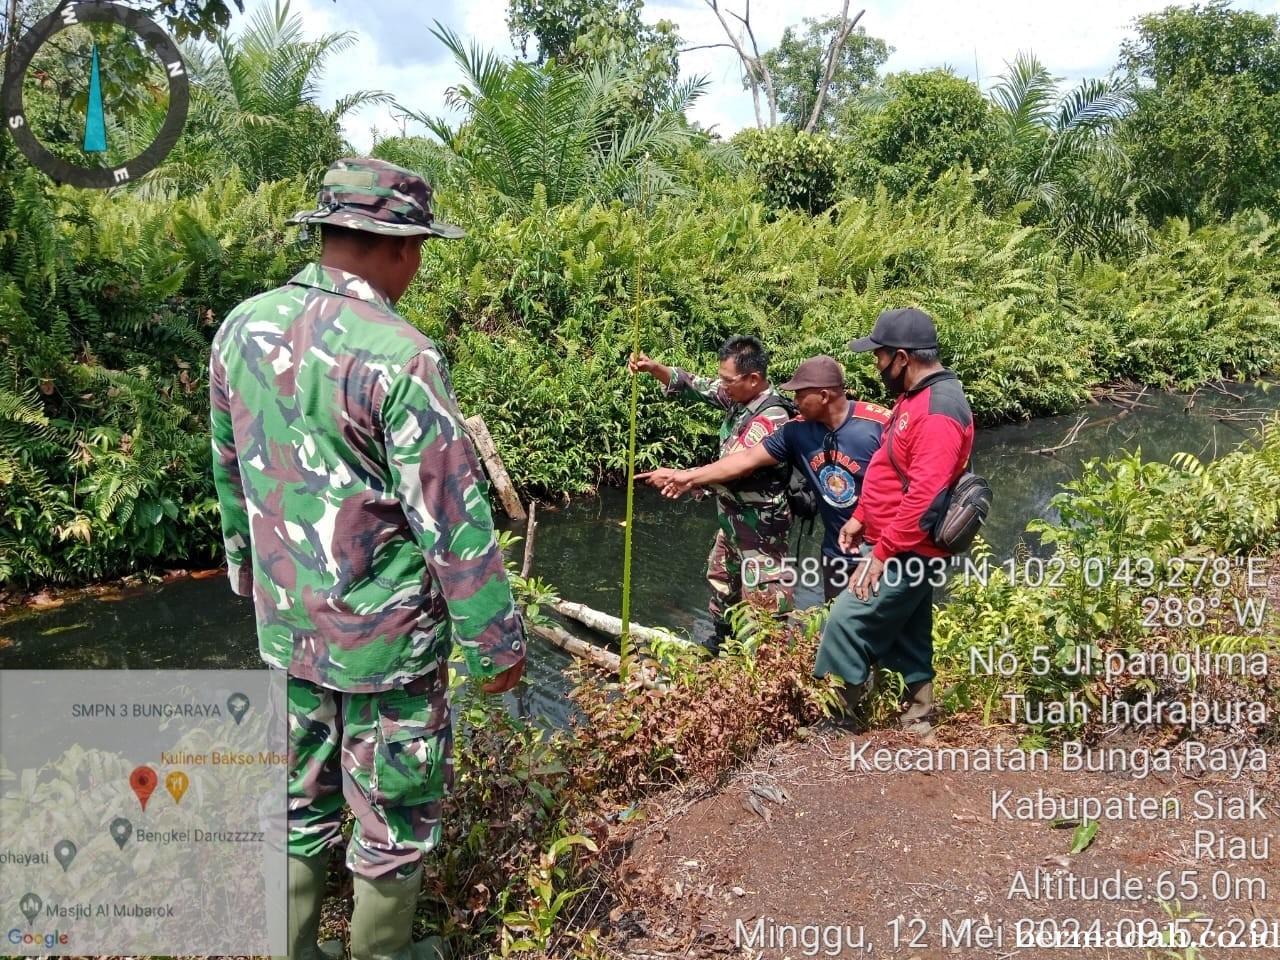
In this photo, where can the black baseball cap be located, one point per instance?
(907, 328)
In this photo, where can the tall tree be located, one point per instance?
(17, 15)
(915, 128)
(804, 69)
(806, 83)
(1208, 108)
(195, 18)
(582, 34)
(755, 70)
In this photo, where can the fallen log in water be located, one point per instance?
(605, 659)
(607, 623)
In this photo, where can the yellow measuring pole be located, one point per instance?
(626, 645)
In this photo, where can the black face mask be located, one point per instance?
(895, 383)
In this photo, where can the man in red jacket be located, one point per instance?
(886, 616)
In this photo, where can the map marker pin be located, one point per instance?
(143, 780)
(30, 906)
(176, 783)
(121, 831)
(64, 851)
(238, 706)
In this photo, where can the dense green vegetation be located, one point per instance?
(1015, 218)
(1063, 241)
(1126, 528)
(1208, 109)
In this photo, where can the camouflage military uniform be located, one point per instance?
(354, 513)
(747, 556)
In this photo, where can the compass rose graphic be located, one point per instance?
(94, 142)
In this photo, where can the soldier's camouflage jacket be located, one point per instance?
(757, 501)
(353, 507)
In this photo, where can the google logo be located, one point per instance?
(47, 940)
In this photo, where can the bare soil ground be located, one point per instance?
(914, 865)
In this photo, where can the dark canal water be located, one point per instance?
(192, 623)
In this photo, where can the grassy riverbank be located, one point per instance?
(563, 799)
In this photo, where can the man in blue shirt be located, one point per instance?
(832, 440)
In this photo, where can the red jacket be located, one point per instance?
(930, 435)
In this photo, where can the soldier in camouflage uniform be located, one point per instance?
(354, 513)
(746, 558)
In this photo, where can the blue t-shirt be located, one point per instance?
(832, 460)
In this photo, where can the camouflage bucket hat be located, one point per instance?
(374, 196)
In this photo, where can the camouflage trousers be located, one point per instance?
(748, 565)
(388, 756)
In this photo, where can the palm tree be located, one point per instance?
(254, 104)
(558, 129)
(1059, 158)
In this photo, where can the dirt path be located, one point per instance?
(899, 863)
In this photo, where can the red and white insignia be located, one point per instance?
(757, 430)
